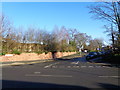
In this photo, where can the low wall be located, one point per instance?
(33, 56)
(62, 54)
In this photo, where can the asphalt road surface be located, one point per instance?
(73, 73)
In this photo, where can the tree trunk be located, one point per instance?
(112, 34)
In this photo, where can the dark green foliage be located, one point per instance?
(2, 53)
(46, 52)
(39, 52)
(16, 52)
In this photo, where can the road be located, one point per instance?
(62, 73)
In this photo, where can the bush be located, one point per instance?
(67, 51)
(93, 51)
(2, 53)
(39, 52)
(72, 50)
(16, 52)
(46, 52)
(63, 51)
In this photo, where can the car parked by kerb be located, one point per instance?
(92, 55)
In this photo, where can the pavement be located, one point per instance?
(64, 72)
(15, 63)
(24, 62)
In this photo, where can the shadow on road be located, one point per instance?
(108, 61)
(22, 84)
(109, 86)
(105, 63)
(70, 57)
(62, 59)
(8, 84)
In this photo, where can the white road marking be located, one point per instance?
(37, 72)
(54, 66)
(98, 66)
(108, 67)
(68, 66)
(83, 66)
(48, 75)
(90, 66)
(75, 66)
(75, 62)
(51, 65)
(103, 66)
(62, 66)
(109, 76)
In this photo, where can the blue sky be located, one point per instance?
(48, 14)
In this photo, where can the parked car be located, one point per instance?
(92, 55)
(100, 53)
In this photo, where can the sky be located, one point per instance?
(49, 14)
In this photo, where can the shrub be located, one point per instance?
(2, 53)
(93, 51)
(67, 51)
(63, 51)
(72, 50)
(16, 52)
(46, 52)
(39, 52)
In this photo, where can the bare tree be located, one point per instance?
(50, 43)
(72, 33)
(81, 39)
(95, 44)
(109, 11)
(63, 34)
(5, 26)
(111, 32)
(31, 35)
(7, 34)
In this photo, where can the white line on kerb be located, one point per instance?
(90, 66)
(68, 66)
(32, 75)
(83, 66)
(54, 66)
(109, 76)
(37, 72)
(50, 65)
(75, 62)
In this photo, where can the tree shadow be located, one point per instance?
(61, 59)
(71, 59)
(68, 58)
(108, 62)
(6, 84)
(112, 65)
(10, 84)
(109, 86)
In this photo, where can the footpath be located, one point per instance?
(17, 63)
(70, 57)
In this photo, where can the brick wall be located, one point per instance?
(34, 56)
